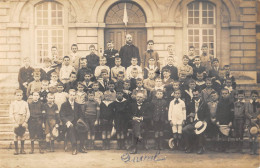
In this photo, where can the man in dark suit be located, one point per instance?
(69, 113)
(140, 120)
(128, 51)
(197, 111)
(110, 54)
(198, 68)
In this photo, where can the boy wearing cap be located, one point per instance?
(35, 122)
(25, 76)
(19, 114)
(253, 120)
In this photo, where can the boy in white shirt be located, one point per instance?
(102, 65)
(66, 70)
(177, 117)
(116, 69)
(132, 66)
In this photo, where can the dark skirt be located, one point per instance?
(35, 128)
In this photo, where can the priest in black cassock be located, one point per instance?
(128, 51)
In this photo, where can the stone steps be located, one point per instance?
(6, 127)
(5, 120)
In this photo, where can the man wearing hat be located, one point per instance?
(198, 116)
(69, 113)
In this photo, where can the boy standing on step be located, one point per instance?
(19, 114)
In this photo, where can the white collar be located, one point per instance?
(197, 101)
(251, 101)
(107, 102)
(121, 101)
(45, 90)
(72, 103)
(139, 89)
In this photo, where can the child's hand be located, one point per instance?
(25, 84)
(183, 122)
(230, 124)
(96, 123)
(56, 125)
(171, 123)
(16, 125)
(43, 126)
(217, 123)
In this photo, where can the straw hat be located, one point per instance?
(200, 127)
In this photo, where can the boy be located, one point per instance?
(206, 58)
(98, 95)
(103, 80)
(212, 129)
(92, 58)
(44, 91)
(213, 73)
(110, 54)
(83, 70)
(60, 96)
(150, 53)
(239, 120)
(131, 67)
(191, 55)
(228, 75)
(159, 118)
(19, 114)
(101, 66)
(91, 115)
(47, 69)
(224, 116)
(187, 94)
(126, 90)
(35, 122)
(139, 89)
(53, 82)
(205, 93)
(34, 86)
(185, 68)
(72, 84)
(120, 109)
(200, 82)
(80, 94)
(66, 70)
(252, 118)
(25, 76)
(167, 80)
(75, 57)
(228, 86)
(177, 117)
(198, 68)
(158, 85)
(87, 80)
(134, 73)
(173, 69)
(51, 119)
(119, 81)
(149, 83)
(111, 91)
(106, 119)
(116, 69)
(171, 53)
(150, 67)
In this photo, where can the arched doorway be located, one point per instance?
(115, 28)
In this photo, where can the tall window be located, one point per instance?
(49, 29)
(202, 26)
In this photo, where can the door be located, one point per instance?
(118, 37)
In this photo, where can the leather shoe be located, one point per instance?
(134, 151)
(200, 151)
(83, 150)
(188, 150)
(74, 152)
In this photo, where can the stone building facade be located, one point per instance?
(28, 28)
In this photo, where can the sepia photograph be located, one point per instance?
(129, 83)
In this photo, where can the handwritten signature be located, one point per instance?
(126, 157)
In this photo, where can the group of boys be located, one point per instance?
(197, 99)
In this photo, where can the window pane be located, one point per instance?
(210, 13)
(196, 13)
(210, 21)
(60, 14)
(204, 21)
(196, 5)
(210, 6)
(204, 14)
(190, 38)
(190, 21)
(196, 32)
(210, 32)
(190, 32)
(45, 6)
(196, 21)
(197, 39)
(204, 32)
(190, 14)
(204, 5)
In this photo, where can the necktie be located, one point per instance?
(254, 106)
(150, 51)
(176, 101)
